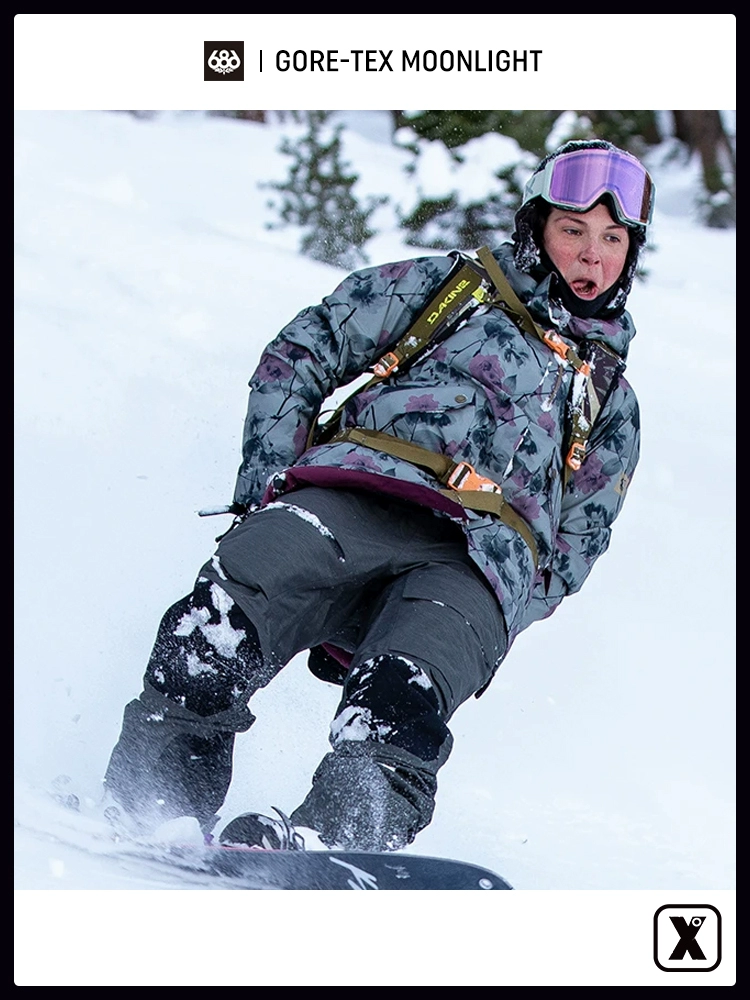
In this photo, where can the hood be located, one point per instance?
(541, 298)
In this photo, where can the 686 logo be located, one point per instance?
(223, 60)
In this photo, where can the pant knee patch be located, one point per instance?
(390, 699)
(205, 653)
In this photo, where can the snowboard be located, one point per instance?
(234, 866)
(257, 868)
(263, 869)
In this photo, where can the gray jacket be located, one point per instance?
(488, 394)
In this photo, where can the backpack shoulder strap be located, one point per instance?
(597, 367)
(465, 288)
(508, 300)
(588, 395)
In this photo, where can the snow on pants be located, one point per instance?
(389, 581)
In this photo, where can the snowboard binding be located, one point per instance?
(262, 833)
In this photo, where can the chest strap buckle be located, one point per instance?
(465, 477)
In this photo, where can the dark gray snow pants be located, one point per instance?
(390, 582)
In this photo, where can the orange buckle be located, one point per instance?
(555, 343)
(387, 364)
(576, 456)
(465, 477)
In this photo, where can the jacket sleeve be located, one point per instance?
(592, 500)
(322, 348)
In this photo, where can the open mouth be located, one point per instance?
(584, 288)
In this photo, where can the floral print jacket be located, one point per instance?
(487, 394)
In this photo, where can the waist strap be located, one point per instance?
(463, 483)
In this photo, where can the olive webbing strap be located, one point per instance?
(589, 393)
(595, 373)
(508, 298)
(464, 288)
(442, 466)
(446, 306)
(507, 295)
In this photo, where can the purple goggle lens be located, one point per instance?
(578, 179)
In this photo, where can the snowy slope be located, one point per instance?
(146, 287)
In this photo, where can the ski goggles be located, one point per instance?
(577, 180)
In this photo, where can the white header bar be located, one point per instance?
(361, 61)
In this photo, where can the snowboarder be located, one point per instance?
(456, 500)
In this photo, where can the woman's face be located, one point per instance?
(587, 248)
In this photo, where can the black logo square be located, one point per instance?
(687, 938)
(223, 60)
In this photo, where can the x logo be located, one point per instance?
(678, 928)
(687, 942)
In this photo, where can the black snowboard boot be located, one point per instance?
(377, 793)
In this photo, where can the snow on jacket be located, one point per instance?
(488, 395)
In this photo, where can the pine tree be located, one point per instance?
(451, 224)
(318, 196)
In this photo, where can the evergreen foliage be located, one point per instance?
(455, 128)
(318, 196)
(449, 224)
